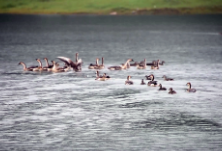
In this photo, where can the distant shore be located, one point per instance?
(153, 11)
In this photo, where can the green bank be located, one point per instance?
(115, 7)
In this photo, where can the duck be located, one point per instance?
(56, 68)
(162, 88)
(171, 91)
(76, 66)
(122, 67)
(152, 82)
(128, 82)
(142, 66)
(189, 88)
(25, 68)
(167, 79)
(142, 82)
(155, 66)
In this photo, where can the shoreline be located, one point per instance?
(153, 11)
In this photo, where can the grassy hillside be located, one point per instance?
(107, 6)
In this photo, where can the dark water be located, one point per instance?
(72, 111)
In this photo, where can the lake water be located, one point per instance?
(73, 111)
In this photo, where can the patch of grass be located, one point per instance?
(106, 6)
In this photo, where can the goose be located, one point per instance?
(105, 76)
(167, 79)
(56, 68)
(101, 66)
(152, 82)
(101, 78)
(161, 63)
(47, 63)
(134, 64)
(147, 77)
(156, 66)
(142, 66)
(40, 66)
(92, 66)
(162, 88)
(128, 82)
(151, 64)
(25, 68)
(189, 88)
(76, 66)
(122, 67)
(171, 91)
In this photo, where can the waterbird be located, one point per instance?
(189, 88)
(152, 82)
(76, 66)
(171, 91)
(128, 82)
(167, 79)
(142, 82)
(122, 67)
(25, 68)
(162, 88)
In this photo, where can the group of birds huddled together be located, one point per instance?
(155, 83)
(54, 67)
(77, 66)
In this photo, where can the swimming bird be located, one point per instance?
(40, 68)
(171, 91)
(76, 66)
(147, 77)
(142, 66)
(128, 82)
(167, 79)
(152, 82)
(134, 64)
(151, 64)
(47, 63)
(122, 67)
(25, 68)
(162, 88)
(137, 63)
(56, 68)
(161, 63)
(104, 77)
(155, 66)
(92, 66)
(142, 82)
(189, 88)
(100, 66)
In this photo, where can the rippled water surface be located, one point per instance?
(72, 111)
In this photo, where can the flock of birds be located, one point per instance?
(77, 64)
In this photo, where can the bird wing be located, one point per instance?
(68, 61)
